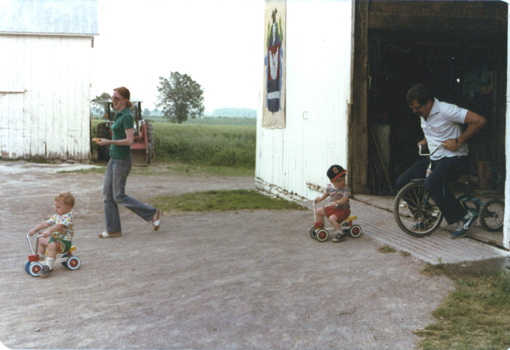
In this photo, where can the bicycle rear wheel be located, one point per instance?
(415, 212)
(492, 215)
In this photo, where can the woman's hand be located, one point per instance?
(100, 141)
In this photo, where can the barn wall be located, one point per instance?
(318, 54)
(44, 97)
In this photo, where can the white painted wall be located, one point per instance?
(45, 97)
(318, 54)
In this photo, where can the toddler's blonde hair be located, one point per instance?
(66, 198)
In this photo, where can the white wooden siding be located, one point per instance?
(44, 97)
(318, 56)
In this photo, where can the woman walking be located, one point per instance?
(119, 167)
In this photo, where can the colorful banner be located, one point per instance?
(274, 76)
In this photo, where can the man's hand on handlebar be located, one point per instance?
(451, 145)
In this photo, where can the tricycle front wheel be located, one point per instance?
(34, 269)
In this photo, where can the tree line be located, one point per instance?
(180, 98)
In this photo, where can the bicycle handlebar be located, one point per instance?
(441, 145)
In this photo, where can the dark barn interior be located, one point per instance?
(456, 48)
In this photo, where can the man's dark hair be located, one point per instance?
(420, 93)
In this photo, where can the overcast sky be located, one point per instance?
(219, 43)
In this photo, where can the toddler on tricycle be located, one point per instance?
(338, 211)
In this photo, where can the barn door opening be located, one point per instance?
(459, 50)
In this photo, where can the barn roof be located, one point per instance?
(49, 17)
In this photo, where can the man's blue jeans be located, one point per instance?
(443, 170)
(114, 187)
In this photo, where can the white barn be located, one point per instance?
(45, 78)
(335, 78)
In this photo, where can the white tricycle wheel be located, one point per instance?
(355, 231)
(322, 235)
(35, 269)
(73, 263)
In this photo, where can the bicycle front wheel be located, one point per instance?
(415, 211)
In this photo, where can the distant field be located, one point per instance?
(206, 141)
(238, 121)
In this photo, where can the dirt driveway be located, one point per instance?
(227, 280)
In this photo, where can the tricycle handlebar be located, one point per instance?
(30, 242)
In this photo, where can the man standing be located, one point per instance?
(442, 123)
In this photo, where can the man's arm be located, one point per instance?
(474, 122)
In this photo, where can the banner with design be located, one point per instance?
(274, 74)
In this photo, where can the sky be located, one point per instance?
(218, 43)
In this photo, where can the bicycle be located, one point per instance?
(418, 215)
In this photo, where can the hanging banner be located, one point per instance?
(274, 74)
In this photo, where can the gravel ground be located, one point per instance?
(215, 280)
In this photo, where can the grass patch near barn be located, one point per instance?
(474, 316)
(221, 200)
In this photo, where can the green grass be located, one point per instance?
(386, 249)
(230, 121)
(177, 168)
(474, 316)
(221, 200)
(219, 145)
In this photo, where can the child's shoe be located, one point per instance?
(339, 237)
(45, 269)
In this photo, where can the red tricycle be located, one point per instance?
(322, 234)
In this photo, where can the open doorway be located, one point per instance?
(456, 48)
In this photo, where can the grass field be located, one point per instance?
(221, 142)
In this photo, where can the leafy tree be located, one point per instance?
(180, 97)
(146, 112)
(99, 103)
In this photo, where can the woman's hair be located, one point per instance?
(420, 93)
(124, 92)
(66, 198)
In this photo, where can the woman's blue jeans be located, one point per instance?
(114, 194)
(443, 170)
